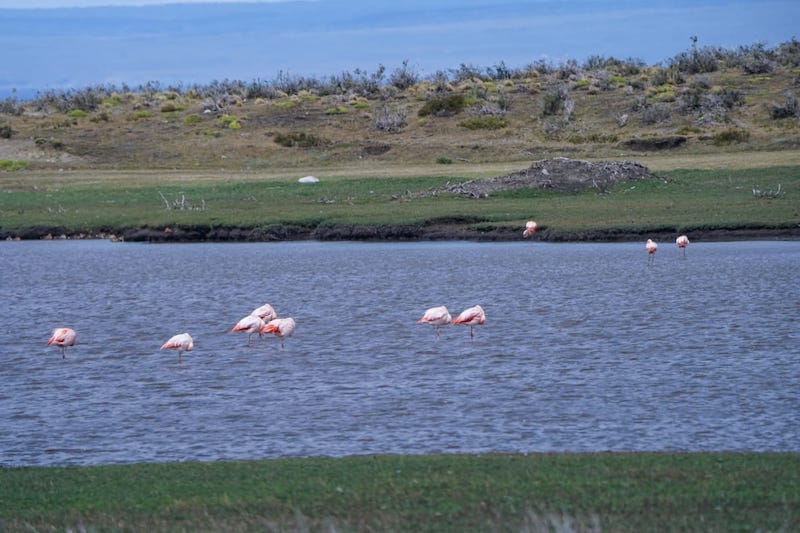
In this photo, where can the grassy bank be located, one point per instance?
(569, 492)
(683, 201)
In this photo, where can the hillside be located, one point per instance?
(604, 109)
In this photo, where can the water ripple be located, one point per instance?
(586, 348)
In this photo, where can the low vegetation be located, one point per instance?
(238, 148)
(540, 492)
(596, 109)
(405, 206)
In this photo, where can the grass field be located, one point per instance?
(685, 200)
(541, 492)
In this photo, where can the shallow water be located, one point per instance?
(586, 348)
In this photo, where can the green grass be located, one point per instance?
(685, 200)
(561, 492)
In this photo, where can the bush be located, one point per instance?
(12, 165)
(77, 113)
(403, 77)
(658, 112)
(486, 122)
(6, 132)
(731, 136)
(731, 98)
(553, 100)
(297, 139)
(443, 107)
(444, 160)
(390, 118)
(788, 110)
(192, 119)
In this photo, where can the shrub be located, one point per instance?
(102, 116)
(486, 122)
(297, 139)
(12, 165)
(553, 100)
(141, 114)
(6, 132)
(403, 77)
(443, 107)
(336, 110)
(730, 136)
(444, 160)
(390, 118)
(192, 119)
(77, 113)
(788, 110)
(168, 107)
(655, 113)
(731, 98)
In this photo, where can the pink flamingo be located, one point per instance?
(266, 312)
(251, 325)
(63, 337)
(474, 316)
(682, 242)
(437, 317)
(530, 229)
(281, 327)
(652, 248)
(182, 342)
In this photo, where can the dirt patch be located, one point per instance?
(560, 174)
(27, 150)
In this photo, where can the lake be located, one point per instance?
(586, 347)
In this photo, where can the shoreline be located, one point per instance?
(387, 233)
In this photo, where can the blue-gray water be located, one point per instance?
(585, 348)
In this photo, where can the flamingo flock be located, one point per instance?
(263, 320)
(440, 316)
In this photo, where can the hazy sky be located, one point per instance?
(55, 44)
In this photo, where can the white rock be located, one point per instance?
(308, 179)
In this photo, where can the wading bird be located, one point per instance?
(682, 242)
(266, 312)
(182, 342)
(251, 325)
(437, 317)
(652, 247)
(530, 229)
(62, 337)
(280, 327)
(474, 316)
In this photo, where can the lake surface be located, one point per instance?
(586, 347)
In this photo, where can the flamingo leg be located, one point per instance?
(63, 352)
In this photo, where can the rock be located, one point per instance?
(308, 179)
(560, 174)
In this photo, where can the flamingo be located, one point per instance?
(474, 316)
(250, 324)
(63, 337)
(281, 327)
(682, 242)
(652, 247)
(182, 342)
(436, 316)
(530, 229)
(266, 312)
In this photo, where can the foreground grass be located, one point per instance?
(684, 201)
(566, 492)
